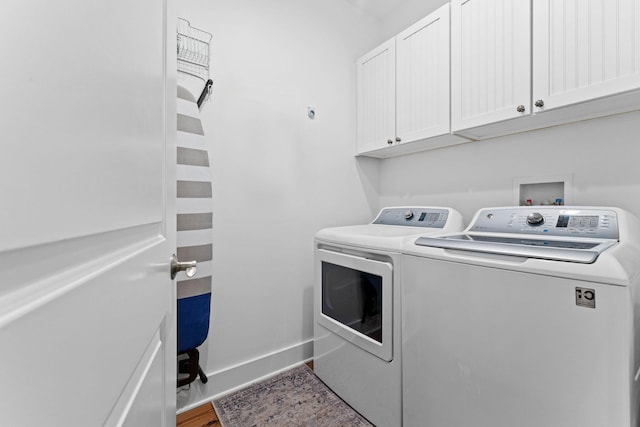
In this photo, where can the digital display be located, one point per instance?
(433, 217)
(429, 217)
(565, 221)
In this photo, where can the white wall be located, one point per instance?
(600, 155)
(278, 176)
(408, 13)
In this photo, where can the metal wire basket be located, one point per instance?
(193, 50)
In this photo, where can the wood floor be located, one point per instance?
(204, 415)
(198, 417)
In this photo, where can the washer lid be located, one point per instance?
(581, 251)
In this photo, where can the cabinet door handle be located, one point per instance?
(539, 103)
(398, 139)
(520, 108)
(389, 141)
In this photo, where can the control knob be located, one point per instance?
(408, 215)
(535, 219)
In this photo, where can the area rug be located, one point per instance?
(292, 398)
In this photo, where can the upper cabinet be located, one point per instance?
(584, 50)
(377, 97)
(498, 67)
(491, 61)
(422, 78)
(403, 91)
(585, 57)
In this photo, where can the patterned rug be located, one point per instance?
(293, 398)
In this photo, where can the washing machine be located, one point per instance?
(357, 307)
(528, 318)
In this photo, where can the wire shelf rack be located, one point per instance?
(193, 50)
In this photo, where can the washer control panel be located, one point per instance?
(548, 220)
(413, 216)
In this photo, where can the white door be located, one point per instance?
(87, 223)
(584, 50)
(422, 72)
(490, 61)
(376, 77)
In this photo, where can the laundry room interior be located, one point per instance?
(279, 176)
(371, 198)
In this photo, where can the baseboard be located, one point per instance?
(230, 379)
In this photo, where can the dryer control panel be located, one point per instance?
(548, 220)
(413, 216)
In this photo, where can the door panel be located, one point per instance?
(584, 50)
(376, 77)
(422, 69)
(490, 61)
(82, 130)
(144, 392)
(88, 218)
(74, 353)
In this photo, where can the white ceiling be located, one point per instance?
(377, 8)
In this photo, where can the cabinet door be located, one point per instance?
(377, 97)
(422, 67)
(490, 61)
(584, 50)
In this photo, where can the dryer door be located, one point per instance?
(354, 300)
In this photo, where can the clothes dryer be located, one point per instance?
(357, 307)
(529, 318)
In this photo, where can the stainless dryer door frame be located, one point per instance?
(384, 270)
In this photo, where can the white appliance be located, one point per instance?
(529, 318)
(357, 307)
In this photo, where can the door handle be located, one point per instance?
(189, 267)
